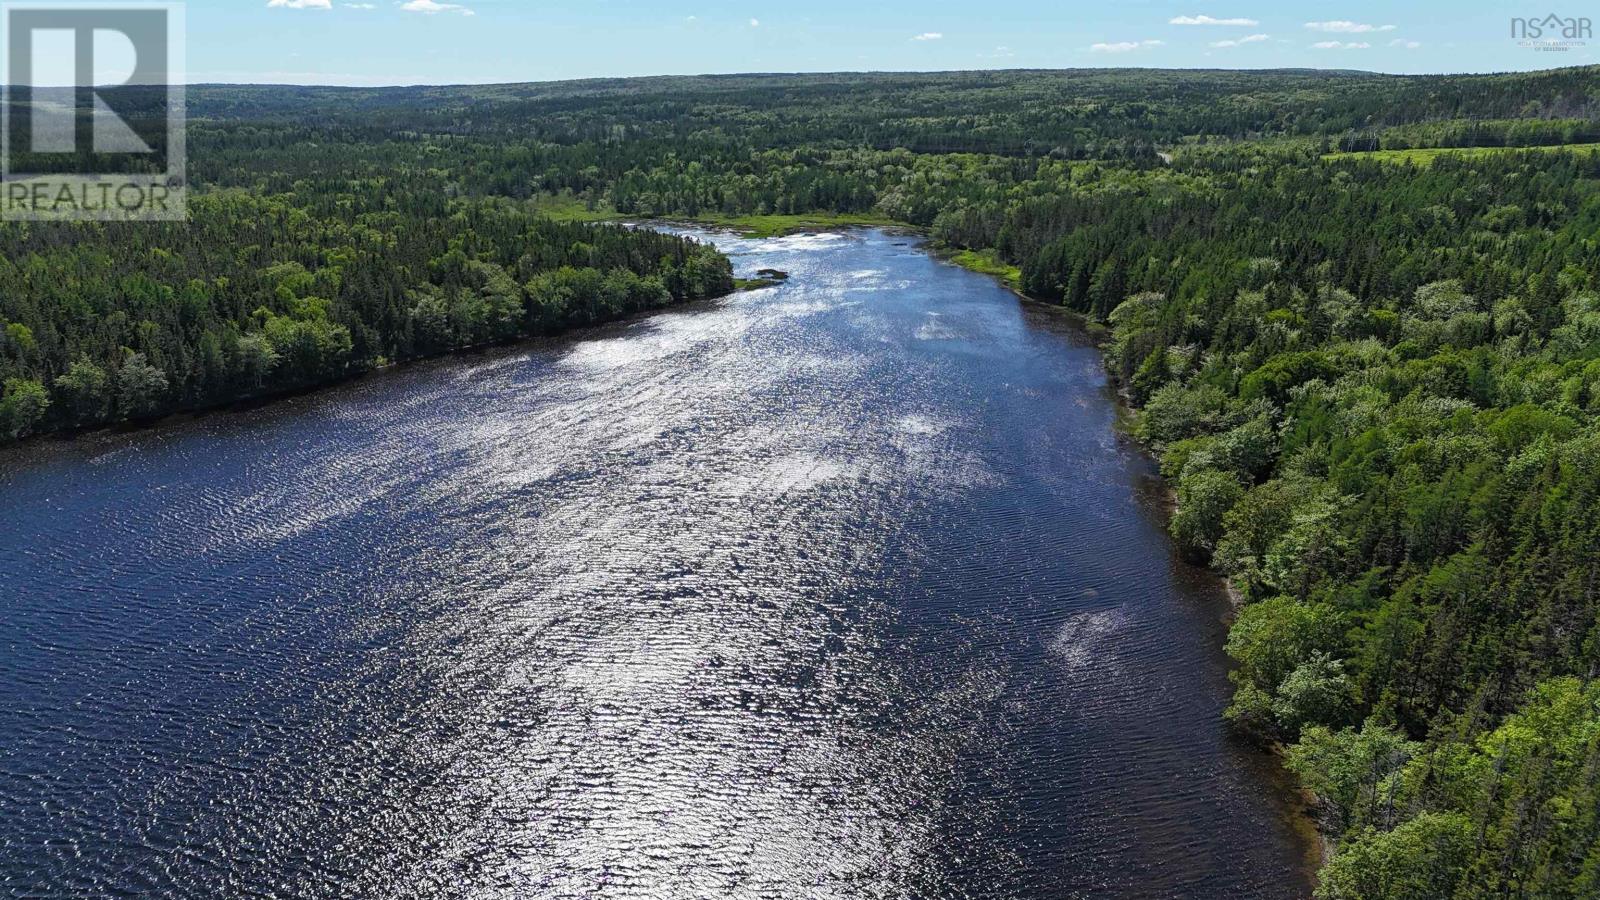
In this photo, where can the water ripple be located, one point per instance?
(837, 589)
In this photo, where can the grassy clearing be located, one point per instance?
(1426, 156)
(571, 209)
(777, 226)
(988, 263)
(568, 209)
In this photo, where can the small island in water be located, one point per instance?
(763, 278)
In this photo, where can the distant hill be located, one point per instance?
(1066, 112)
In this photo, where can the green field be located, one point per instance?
(777, 226)
(571, 209)
(1426, 155)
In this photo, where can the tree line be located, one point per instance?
(261, 294)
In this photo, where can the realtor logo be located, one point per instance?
(1552, 32)
(92, 120)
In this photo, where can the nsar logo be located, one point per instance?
(1552, 32)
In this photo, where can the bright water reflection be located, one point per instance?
(841, 589)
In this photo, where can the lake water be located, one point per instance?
(845, 588)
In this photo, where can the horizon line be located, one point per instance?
(402, 83)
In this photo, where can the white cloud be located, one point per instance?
(1345, 26)
(432, 7)
(360, 6)
(1402, 42)
(1247, 39)
(1341, 45)
(1123, 46)
(300, 4)
(928, 36)
(1208, 20)
(755, 23)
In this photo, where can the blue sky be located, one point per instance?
(476, 41)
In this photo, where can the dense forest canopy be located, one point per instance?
(1010, 112)
(1374, 381)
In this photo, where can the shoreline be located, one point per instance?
(746, 226)
(754, 225)
(1302, 817)
(257, 401)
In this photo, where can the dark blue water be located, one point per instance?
(846, 588)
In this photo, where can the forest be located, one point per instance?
(259, 295)
(1374, 385)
